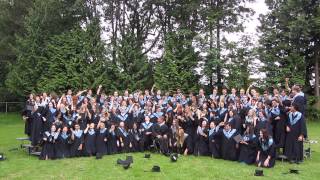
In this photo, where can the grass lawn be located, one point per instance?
(22, 166)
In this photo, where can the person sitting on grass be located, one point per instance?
(266, 150)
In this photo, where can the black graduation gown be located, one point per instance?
(28, 122)
(101, 144)
(248, 153)
(278, 128)
(90, 143)
(190, 127)
(269, 150)
(221, 113)
(83, 121)
(113, 118)
(215, 143)
(201, 147)
(95, 118)
(124, 118)
(74, 152)
(49, 141)
(130, 120)
(37, 128)
(68, 120)
(180, 148)
(301, 101)
(146, 140)
(235, 122)
(112, 142)
(262, 124)
(162, 142)
(228, 147)
(62, 147)
(186, 145)
(294, 148)
(124, 135)
(135, 139)
(137, 118)
(50, 118)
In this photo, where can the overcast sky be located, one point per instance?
(251, 25)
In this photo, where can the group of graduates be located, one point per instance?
(239, 126)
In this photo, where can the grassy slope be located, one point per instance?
(21, 166)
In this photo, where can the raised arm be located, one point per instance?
(248, 91)
(151, 91)
(86, 130)
(287, 84)
(80, 92)
(99, 89)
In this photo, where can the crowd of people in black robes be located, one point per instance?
(239, 126)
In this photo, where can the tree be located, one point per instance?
(218, 18)
(290, 41)
(45, 19)
(177, 67)
(76, 62)
(239, 63)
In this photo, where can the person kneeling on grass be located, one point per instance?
(266, 150)
(49, 140)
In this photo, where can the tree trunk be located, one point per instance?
(316, 85)
(219, 83)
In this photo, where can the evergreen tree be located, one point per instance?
(290, 41)
(177, 67)
(45, 19)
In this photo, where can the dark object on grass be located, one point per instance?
(155, 168)
(129, 159)
(174, 157)
(258, 172)
(98, 156)
(147, 156)
(121, 162)
(126, 165)
(2, 157)
(294, 171)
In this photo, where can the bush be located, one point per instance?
(312, 112)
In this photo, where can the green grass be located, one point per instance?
(22, 166)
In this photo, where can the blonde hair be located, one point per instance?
(180, 137)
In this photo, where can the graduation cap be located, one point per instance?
(122, 162)
(2, 157)
(258, 172)
(155, 168)
(147, 156)
(98, 156)
(294, 171)
(126, 165)
(129, 159)
(174, 157)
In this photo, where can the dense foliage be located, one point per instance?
(50, 45)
